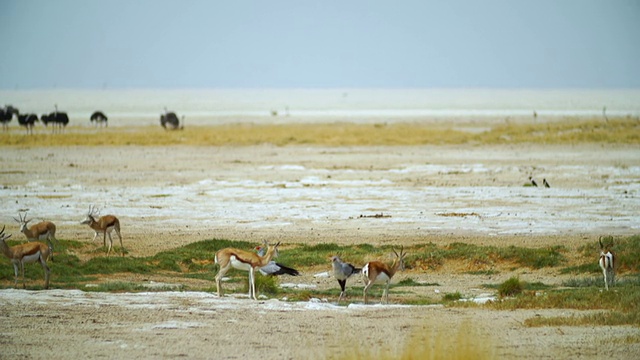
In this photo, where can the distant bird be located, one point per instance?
(273, 268)
(170, 121)
(6, 115)
(28, 121)
(342, 271)
(545, 183)
(99, 117)
(59, 120)
(533, 182)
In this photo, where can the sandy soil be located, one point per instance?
(167, 197)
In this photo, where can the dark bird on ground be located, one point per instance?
(28, 121)
(273, 268)
(100, 118)
(342, 271)
(533, 182)
(169, 121)
(6, 115)
(545, 183)
(58, 119)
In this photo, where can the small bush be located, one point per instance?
(511, 287)
(452, 296)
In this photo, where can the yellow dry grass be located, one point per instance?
(568, 131)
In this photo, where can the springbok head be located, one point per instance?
(607, 245)
(92, 214)
(23, 221)
(4, 237)
(400, 257)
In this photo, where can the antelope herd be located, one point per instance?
(373, 272)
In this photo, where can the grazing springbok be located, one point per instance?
(533, 182)
(243, 260)
(342, 271)
(545, 183)
(26, 254)
(44, 230)
(104, 225)
(607, 263)
(378, 272)
(274, 268)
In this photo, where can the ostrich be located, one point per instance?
(28, 121)
(58, 119)
(170, 121)
(100, 118)
(6, 115)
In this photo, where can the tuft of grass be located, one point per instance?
(448, 297)
(511, 287)
(613, 318)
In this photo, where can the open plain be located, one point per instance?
(169, 196)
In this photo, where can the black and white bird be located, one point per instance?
(533, 182)
(545, 183)
(342, 271)
(273, 268)
(100, 118)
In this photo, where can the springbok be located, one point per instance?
(243, 260)
(44, 230)
(342, 271)
(607, 263)
(378, 272)
(26, 254)
(105, 225)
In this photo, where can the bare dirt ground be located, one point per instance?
(168, 197)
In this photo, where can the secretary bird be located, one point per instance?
(342, 271)
(273, 268)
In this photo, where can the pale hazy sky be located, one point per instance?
(319, 44)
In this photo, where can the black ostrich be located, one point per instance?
(170, 121)
(100, 118)
(28, 121)
(6, 115)
(58, 119)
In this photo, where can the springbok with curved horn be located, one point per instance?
(25, 254)
(44, 230)
(607, 263)
(243, 260)
(378, 272)
(104, 225)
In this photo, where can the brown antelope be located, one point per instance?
(243, 260)
(26, 254)
(378, 272)
(44, 230)
(607, 263)
(104, 225)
